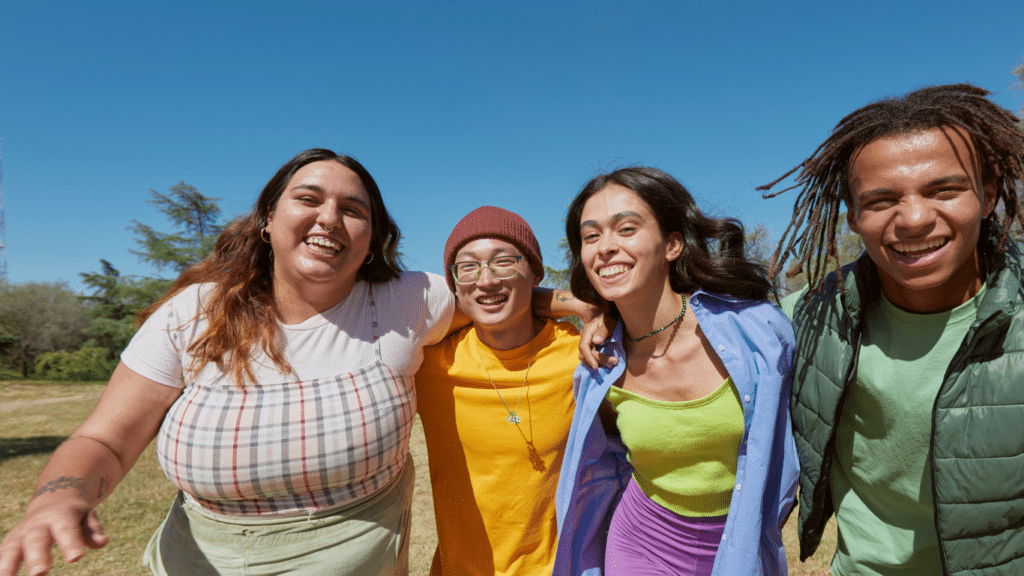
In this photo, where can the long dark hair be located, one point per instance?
(713, 256)
(241, 311)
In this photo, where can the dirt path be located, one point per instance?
(9, 406)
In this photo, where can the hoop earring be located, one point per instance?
(365, 262)
(265, 235)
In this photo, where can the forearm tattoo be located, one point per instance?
(563, 295)
(63, 483)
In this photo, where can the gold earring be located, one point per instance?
(265, 235)
(370, 260)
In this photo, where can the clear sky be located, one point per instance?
(449, 105)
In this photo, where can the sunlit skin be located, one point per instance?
(917, 202)
(320, 233)
(627, 260)
(499, 309)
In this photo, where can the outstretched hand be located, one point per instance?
(72, 526)
(596, 331)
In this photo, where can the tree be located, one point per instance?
(112, 304)
(194, 215)
(758, 245)
(558, 277)
(1019, 73)
(849, 246)
(41, 317)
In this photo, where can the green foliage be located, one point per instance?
(38, 317)
(113, 302)
(194, 215)
(86, 364)
(758, 245)
(849, 247)
(558, 277)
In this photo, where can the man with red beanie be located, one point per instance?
(496, 402)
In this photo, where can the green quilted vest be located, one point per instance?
(977, 446)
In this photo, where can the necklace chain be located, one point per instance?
(649, 334)
(513, 416)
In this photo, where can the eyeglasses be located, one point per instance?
(502, 267)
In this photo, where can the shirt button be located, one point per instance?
(746, 398)
(739, 486)
(720, 347)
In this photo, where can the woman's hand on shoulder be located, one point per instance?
(596, 331)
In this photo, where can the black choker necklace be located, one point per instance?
(648, 335)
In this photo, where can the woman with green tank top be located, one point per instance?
(680, 459)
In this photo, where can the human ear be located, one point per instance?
(988, 199)
(851, 216)
(673, 246)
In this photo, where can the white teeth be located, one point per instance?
(491, 299)
(323, 242)
(918, 246)
(612, 270)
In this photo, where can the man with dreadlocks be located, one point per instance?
(908, 391)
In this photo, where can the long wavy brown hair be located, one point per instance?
(240, 309)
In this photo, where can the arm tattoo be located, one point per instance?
(62, 483)
(563, 295)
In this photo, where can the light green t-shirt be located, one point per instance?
(881, 477)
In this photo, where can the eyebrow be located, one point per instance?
(615, 218)
(956, 179)
(318, 188)
(496, 253)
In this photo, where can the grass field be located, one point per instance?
(35, 417)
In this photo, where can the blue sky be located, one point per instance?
(449, 105)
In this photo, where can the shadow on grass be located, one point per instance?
(15, 447)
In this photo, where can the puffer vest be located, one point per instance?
(977, 440)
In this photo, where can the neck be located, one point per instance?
(646, 315)
(296, 304)
(510, 337)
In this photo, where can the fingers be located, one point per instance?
(71, 538)
(10, 559)
(33, 549)
(93, 531)
(31, 541)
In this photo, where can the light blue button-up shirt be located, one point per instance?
(755, 342)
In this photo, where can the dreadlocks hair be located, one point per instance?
(997, 150)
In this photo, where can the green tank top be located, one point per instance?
(683, 453)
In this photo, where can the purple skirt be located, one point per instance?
(646, 539)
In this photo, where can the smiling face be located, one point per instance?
(918, 206)
(320, 231)
(500, 309)
(623, 251)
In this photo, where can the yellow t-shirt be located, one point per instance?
(493, 481)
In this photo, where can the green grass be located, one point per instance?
(35, 417)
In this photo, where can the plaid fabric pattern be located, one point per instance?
(290, 447)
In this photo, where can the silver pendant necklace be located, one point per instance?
(513, 415)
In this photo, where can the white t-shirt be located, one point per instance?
(331, 434)
(412, 311)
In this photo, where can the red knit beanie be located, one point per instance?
(493, 222)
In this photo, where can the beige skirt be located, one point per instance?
(369, 538)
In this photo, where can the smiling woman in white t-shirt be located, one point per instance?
(276, 376)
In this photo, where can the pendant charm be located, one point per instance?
(512, 418)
